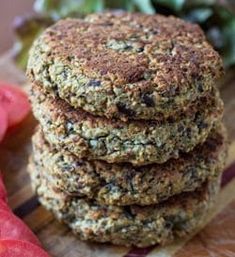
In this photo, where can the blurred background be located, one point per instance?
(22, 20)
(9, 9)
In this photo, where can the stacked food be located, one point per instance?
(130, 146)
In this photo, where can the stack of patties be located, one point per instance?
(130, 146)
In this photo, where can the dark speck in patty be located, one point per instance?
(94, 83)
(123, 109)
(148, 100)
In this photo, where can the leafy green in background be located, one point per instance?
(27, 29)
(58, 9)
(216, 17)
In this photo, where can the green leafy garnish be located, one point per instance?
(26, 30)
(58, 9)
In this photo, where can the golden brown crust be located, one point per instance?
(87, 42)
(126, 65)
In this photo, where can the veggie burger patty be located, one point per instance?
(123, 65)
(126, 225)
(115, 141)
(124, 184)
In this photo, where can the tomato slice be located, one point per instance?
(3, 193)
(15, 103)
(18, 248)
(3, 123)
(11, 227)
(4, 206)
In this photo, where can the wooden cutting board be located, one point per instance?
(216, 238)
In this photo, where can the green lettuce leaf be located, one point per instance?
(26, 30)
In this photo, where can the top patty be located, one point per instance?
(128, 66)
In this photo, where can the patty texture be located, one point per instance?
(125, 66)
(115, 141)
(129, 225)
(124, 184)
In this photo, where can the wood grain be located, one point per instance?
(59, 241)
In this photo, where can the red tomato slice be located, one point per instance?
(3, 123)
(4, 206)
(17, 248)
(15, 103)
(11, 227)
(3, 193)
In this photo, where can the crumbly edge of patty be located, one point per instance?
(170, 72)
(130, 225)
(136, 142)
(124, 184)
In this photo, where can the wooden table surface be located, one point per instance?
(216, 238)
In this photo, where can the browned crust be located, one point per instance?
(86, 42)
(161, 56)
